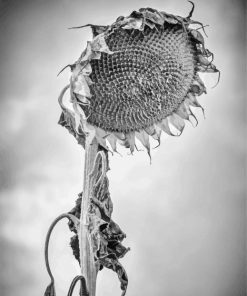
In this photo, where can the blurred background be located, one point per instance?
(184, 215)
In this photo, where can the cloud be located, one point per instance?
(184, 215)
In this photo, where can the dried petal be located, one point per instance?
(177, 122)
(87, 53)
(202, 60)
(133, 24)
(154, 17)
(154, 131)
(143, 137)
(81, 87)
(169, 18)
(120, 136)
(98, 29)
(182, 111)
(99, 44)
(112, 141)
(197, 88)
(149, 24)
(101, 133)
(150, 130)
(101, 137)
(86, 70)
(130, 141)
(197, 36)
(192, 101)
(164, 125)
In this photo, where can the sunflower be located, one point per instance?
(137, 78)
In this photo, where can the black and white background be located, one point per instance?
(184, 215)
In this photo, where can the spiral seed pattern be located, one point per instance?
(144, 80)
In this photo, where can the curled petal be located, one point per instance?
(82, 99)
(87, 53)
(200, 24)
(202, 60)
(112, 141)
(197, 36)
(182, 111)
(143, 137)
(192, 101)
(150, 130)
(154, 17)
(198, 79)
(134, 24)
(157, 135)
(99, 44)
(169, 18)
(154, 131)
(150, 24)
(193, 115)
(177, 122)
(120, 136)
(164, 125)
(86, 70)
(101, 133)
(60, 98)
(198, 88)
(218, 80)
(98, 29)
(130, 141)
(211, 68)
(77, 117)
(80, 87)
(101, 137)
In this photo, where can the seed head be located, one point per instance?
(137, 77)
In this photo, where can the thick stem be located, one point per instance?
(88, 268)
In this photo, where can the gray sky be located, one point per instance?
(184, 215)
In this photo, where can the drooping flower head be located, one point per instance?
(137, 78)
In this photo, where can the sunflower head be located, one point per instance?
(137, 78)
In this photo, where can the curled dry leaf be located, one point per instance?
(106, 235)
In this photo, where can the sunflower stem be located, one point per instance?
(88, 267)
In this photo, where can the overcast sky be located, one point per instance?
(184, 215)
